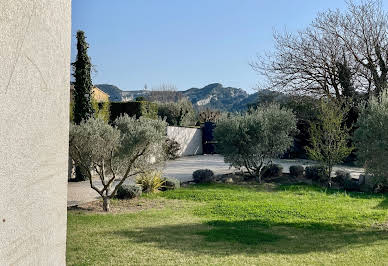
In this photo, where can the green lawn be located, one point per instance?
(237, 225)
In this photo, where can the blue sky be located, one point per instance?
(186, 43)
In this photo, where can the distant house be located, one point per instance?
(97, 95)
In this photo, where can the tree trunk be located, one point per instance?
(330, 169)
(106, 204)
(258, 176)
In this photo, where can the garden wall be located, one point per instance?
(190, 139)
(34, 115)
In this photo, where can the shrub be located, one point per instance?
(296, 170)
(128, 192)
(172, 148)
(273, 170)
(351, 184)
(171, 183)
(252, 139)
(137, 109)
(341, 176)
(371, 139)
(203, 176)
(316, 173)
(150, 181)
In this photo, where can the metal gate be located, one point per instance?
(209, 146)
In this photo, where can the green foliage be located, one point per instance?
(345, 79)
(305, 108)
(128, 191)
(253, 139)
(137, 109)
(83, 83)
(179, 113)
(172, 148)
(371, 139)
(150, 181)
(128, 147)
(101, 110)
(272, 170)
(71, 110)
(82, 108)
(329, 137)
(296, 170)
(202, 176)
(316, 173)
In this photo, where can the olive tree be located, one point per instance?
(253, 139)
(371, 139)
(329, 136)
(129, 147)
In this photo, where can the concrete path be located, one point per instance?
(183, 168)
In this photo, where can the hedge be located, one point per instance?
(138, 109)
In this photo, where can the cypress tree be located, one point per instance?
(82, 88)
(83, 83)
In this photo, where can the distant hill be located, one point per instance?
(217, 97)
(213, 96)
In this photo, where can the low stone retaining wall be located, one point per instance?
(190, 139)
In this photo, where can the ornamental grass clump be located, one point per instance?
(150, 181)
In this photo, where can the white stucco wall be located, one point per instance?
(34, 91)
(190, 139)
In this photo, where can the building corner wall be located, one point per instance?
(34, 115)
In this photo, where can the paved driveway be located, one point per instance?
(183, 168)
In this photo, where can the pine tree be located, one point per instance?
(82, 88)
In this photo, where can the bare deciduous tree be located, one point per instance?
(311, 61)
(363, 32)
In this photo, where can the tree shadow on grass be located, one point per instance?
(252, 237)
(384, 203)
